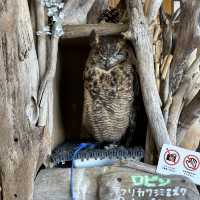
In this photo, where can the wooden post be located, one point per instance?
(22, 144)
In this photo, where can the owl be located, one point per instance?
(110, 90)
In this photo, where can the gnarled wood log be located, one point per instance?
(22, 144)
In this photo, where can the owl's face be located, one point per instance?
(109, 52)
(108, 89)
(108, 73)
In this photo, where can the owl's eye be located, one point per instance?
(118, 58)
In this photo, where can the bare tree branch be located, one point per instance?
(183, 75)
(42, 56)
(51, 70)
(144, 51)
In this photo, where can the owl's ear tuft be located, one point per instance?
(94, 39)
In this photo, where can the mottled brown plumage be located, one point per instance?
(109, 81)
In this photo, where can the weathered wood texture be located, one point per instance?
(184, 74)
(76, 31)
(194, 133)
(189, 116)
(105, 183)
(22, 144)
(152, 10)
(76, 11)
(150, 155)
(140, 38)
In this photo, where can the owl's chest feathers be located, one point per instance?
(109, 79)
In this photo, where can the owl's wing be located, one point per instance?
(128, 137)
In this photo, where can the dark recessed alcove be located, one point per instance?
(73, 56)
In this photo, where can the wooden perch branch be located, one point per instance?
(41, 40)
(188, 39)
(144, 51)
(75, 31)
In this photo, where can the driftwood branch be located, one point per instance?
(188, 39)
(42, 56)
(75, 31)
(183, 75)
(153, 9)
(51, 70)
(140, 38)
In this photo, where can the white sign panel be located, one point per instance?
(178, 161)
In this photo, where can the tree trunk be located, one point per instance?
(22, 144)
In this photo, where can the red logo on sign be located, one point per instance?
(191, 162)
(171, 157)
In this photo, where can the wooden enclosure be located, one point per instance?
(44, 49)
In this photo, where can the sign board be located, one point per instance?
(178, 161)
